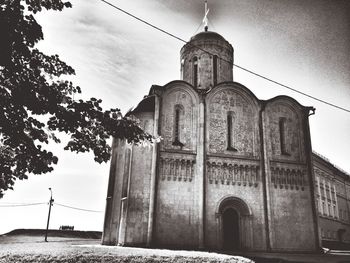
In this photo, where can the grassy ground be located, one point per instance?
(24, 248)
(74, 247)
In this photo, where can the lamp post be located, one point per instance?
(48, 217)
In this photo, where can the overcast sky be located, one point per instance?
(303, 44)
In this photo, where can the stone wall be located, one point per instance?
(231, 100)
(176, 218)
(293, 130)
(127, 210)
(184, 97)
(114, 193)
(176, 211)
(288, 179)
(139, 186)
(233, 168)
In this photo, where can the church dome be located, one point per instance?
(208, 35)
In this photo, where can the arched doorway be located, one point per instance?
(234, 220)
(230, 231)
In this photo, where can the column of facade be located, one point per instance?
(125, 197)
(319, 194)
(265, 182)
(108, 236)
(153, 189)
(200, 161)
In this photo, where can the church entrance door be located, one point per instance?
(234, 224)
(231, 229)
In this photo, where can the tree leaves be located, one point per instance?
(36, 104)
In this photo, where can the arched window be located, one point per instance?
(178, 115)
(195, 71)
(230, 132)
(282, 126)
(215, 70)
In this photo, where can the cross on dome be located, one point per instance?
(205, 19)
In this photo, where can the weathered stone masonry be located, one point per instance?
(231, 171)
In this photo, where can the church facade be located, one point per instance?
(231, 172)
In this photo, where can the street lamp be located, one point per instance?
(48, 217)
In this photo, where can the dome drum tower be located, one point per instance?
(206, 60)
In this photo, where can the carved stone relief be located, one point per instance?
(288, 178)
(176, 169)
(244, 124)
(293, 133)
(187, 121)
(231, 173)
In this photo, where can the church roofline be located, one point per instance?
(147, 104)
(264, 102)
(236, 84)
(307, 109)
(281, 97)
(154, 88)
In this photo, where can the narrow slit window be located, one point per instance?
(177, 121)
(230, 134)
(177, 124)
(195, 71)
(182, 68)
(282, 126)
(215, 69)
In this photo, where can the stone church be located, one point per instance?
(231, 172)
